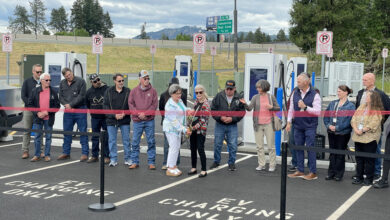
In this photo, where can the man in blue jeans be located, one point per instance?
(143, 104)
(226, 101)
(116, 98)
(95, 100)
(72, 96)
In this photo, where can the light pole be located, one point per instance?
(235, 38)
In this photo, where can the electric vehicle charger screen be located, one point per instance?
(256, 75)
(55, 74)
(300, 68)
(183, 69)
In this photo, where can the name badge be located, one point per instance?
(334, 120)
(360, 127)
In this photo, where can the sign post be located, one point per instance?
(7, 47)
(97, 48)
(153, 49)
(385, 53)
(323, 47)
(213, 52)
(199, 45)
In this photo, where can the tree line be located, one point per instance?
(361, 28)
(87, 18)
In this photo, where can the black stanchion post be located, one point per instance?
(102, 207)
(283, 185)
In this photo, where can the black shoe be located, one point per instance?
(367, 182)
(202, 175)
(214, 165)
(329, 177)
(354, 177)
(292, 169)
(357, 181)
(338, 179)
(192, 172)
(381, 184)
(377, 177)
(232, 167)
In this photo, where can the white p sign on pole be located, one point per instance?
(7, 43)
(385, 52)
(153, 48)
(324, 42)
(199, 43)
(213, 50)
(97, 44)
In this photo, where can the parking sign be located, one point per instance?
(199, 43)
(97, 44)
(385, 52)
(324, 42)
(7, 43)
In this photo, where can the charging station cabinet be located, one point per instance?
(54, 63)
(260, 66)
(297, 65)
(183, 67)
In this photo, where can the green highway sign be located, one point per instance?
(224, 17)
(224, 26)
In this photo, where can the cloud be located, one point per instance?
(129, 15)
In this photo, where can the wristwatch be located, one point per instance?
(305, 108)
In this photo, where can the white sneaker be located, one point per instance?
(271, 169)
(128, 162)
(113, 164)
(259, 168)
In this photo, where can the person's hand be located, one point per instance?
(301, 104)
(41, 115)
(67, 106)
(141, 116)
(243, 101)
(288, 127)
(190, 112)
(228, 120)
(269, 106)
(358, 132)
(196, 126)
(119, 116)
(223, 118)
(332, 128)
(188, 132)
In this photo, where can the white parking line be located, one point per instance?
(151, 192)
(8, 145)
(347, 204)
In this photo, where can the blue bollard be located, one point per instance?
(313, 78)
(174, 74)
(195, 82)
(278, 134)
(292, 81)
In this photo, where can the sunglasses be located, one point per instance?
(200, 93)
(39, 72)
(119, 81)
(47, 80)
(230, 89)
(96, 80)
(147, 78)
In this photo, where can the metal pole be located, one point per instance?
(7, 68)
(212, 76)
(383, 75)
(229, 47)
(199, 57)
(152, 68)
(235, 38)
(283, 185)
(97, 63)
(322, 73)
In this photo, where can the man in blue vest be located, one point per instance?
(307, 102)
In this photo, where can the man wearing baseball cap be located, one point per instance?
(227, 100)
(143, 102)
(95, 100)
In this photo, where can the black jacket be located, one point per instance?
(95, 99)
(28, 85)
(33, 102)
(220, 103)
(164, 99)
(384, 97)
(73, 94)
(117, 101)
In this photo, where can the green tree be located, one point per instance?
(259, 36)
(59, 19)
(46, 32)
(164, 37)
(143, 34)
(37, 16)
(183, 37)
(250, 37)
(281, 36)
(241, 38)
(20, 22)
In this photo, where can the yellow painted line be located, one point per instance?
(12, 133)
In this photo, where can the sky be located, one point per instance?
(128, 15)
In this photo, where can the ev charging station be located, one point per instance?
(258, 66)
(54, 63)
(183, 69)
(296, 65)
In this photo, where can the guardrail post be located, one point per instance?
(283, 185)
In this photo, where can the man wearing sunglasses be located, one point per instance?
(95, 100)
(143, 102)
(226, 102)
(27, 87)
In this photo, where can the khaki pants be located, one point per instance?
(28, 122)
(267, 131)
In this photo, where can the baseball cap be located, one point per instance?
(93, 76)
(143, 73)
(230, 84)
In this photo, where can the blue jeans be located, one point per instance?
(231, 133)
(112, 134)
(378, 161)
(305, 137)
(138, 129)
(166, 149)
(70, 119)
(292, 151)
(38, 139)
(97, 125)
